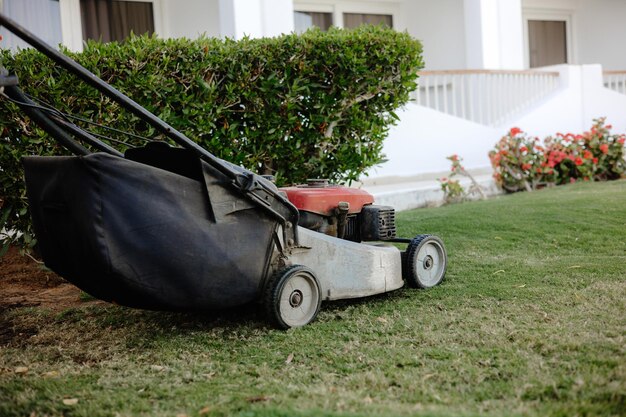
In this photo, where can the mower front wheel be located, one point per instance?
(292, 297)
(424, 262)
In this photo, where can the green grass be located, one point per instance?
(530, 321)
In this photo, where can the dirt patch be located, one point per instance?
(25, 282)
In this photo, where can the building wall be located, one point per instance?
(421, 141)
(597, 26)
(191, 18)
(601, 25)
(441, 28)
(277, 17)
(597, 31)
(255, 18)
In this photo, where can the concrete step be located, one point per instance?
(410, 193)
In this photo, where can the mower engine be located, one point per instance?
(346, 213)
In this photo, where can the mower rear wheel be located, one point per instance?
(292, 297)
(425, 261)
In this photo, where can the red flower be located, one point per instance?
(523, 149)
(621, 141)
(526, 167)
(514, 131)
(587, 155)
(604, 148)
(578, 161)
(609, 126)
(594, 160)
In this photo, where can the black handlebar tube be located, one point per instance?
(53, 122)
(43, 120)
(286, 213)
(86, 136)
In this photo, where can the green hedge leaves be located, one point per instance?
(314, 105)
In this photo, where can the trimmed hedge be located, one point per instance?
(314, 105)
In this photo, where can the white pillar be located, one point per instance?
(71, 26)
(255, 18)
(494, 34)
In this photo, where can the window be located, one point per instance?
(305, 20)
(343, 13)
(547, 42)
(352, 20)
(42, 17)
(114, 20)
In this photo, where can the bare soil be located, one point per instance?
(26, 282)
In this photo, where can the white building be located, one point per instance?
(545, 66)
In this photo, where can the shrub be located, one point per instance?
(297, 106)
(453, 191)
(522, 163)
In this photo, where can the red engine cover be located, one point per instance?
(323, 199)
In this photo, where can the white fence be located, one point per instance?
(488, 97)
(615, 80)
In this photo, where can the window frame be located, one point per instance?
(566, 16)
(339, 7)
(311, 11)
(72, 26)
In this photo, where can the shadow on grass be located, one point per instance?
(146, 323)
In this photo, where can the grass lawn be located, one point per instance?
(530, 321)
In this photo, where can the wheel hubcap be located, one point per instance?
(295, 299)
(428, 262)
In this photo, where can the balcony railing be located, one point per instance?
(489, 97)
(615, 80)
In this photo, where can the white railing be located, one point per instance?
(615, 80)
(489, 97)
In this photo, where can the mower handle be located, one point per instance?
(280, 207)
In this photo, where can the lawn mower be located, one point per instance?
(175, 228)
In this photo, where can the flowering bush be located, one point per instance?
(452, 189)
(522, 163)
